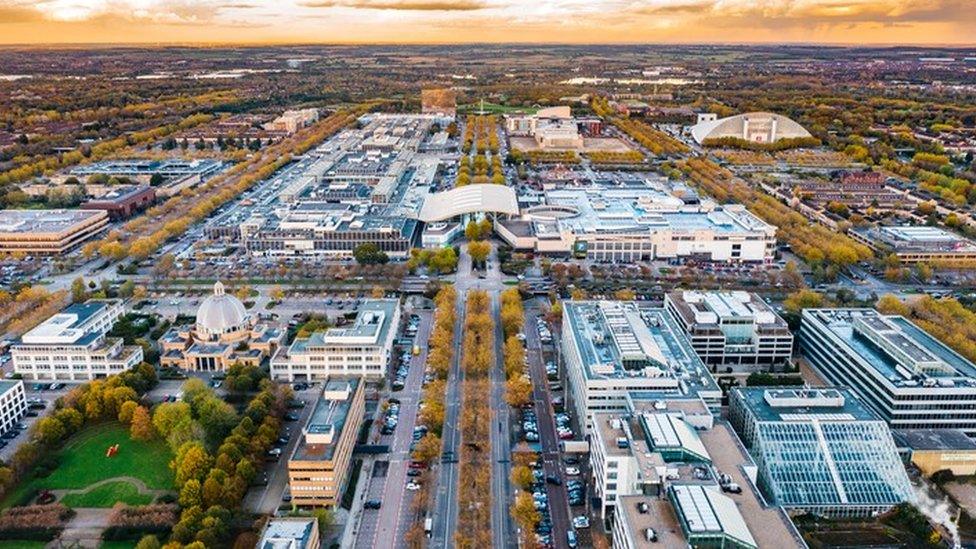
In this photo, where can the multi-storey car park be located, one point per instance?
(613, 350)
(318, 469)
(736, 329)
(73, 345)
(361, 348)
(48, 232)
(820, 450)
(905, 375)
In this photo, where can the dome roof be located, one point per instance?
(221, 313)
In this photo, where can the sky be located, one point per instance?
(922, 22)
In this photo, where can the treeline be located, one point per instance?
(474, 494)
(481, 136)
(518, 385)
(545, 157)
(480, 133)
(440, 353)
(140, 239)
(946, 319)
(775, 146)
(815, 243)
(611, 157)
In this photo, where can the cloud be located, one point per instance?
(400, 5)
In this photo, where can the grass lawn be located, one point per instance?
(117, 545)
(494, 108)
(82, 462)
(21, 544)
(107, 495)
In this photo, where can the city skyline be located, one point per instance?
(857, 22)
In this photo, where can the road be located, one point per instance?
(394, 518)
(558, 501)
(502, 525)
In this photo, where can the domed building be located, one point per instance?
(757, 127)
(224, 334)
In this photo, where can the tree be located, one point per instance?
(191, 462)
(428, 448)
(49, 430)
(190, 494)
(522, 477)
(524, 512)
(148, 542)
(276, 293)
(891, 305)
(127, 288)
(79, 292)
(369, 253)
(127, 410)
(170, 414)
(625, 294)
(803, 299)
(142, 425)
(518, 391)
(479, 251)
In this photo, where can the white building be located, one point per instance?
(292, 121)
(613, 352)
(290, 533)
(735, 329)
(360, 349)
(758, 127)
(73, 345)
(13, 404)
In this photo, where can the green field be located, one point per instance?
(494, 108)
(82, 462)
(21, 544)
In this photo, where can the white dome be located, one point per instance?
(221, 313)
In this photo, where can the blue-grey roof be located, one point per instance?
(814, 403)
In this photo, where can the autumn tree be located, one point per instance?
(142, 426)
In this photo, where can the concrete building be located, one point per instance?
(934, 450)
(290, 533)
(359, 349)
(73, 345)
(906, 376)
(819, 451)
(292, 121)
(612, 350)
(917, 244)
(758, 127)
(319, 466)
(552, 129)
(224, 334)
(123, 201)
(736, 329)
(858, 190)
(48, 232)
(638, 223)
(142, 170)
(13, 403)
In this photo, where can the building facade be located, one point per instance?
(905, 375)
(74, 345)
(13, 403)
(48, 232)
(359, 349)
(319, 466)
(736, 329)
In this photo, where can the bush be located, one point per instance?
(34, 522)
(132, 523)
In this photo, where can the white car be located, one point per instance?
(413, 486)
(581, 522)
(572, 471)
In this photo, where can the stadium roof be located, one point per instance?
(469, 199)
(753, 126)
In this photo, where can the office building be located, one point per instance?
(143, 170)
(122, 201)
(318, 468)
(292, 121)
(48, 232)
(612, 349)
(290, 533)
(361, 348)
(13, 403)
(917, 244)
(74, 345)
(736, 329)
(224, 334)
(905, 375)
(934, 450)
(709, 518)
(858, 190)
(819, 451)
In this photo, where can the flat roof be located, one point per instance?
(6, 385)
(800, 404)
(933, 439)
(173, 166)
(668, 432)
(659, 516)
(713, 308)
(373, 322)
(618, 340)
(287, 533)
(918, 238)
(328, 420)
(904, 339)
(44, 221)
(70, 326)
(705, 511)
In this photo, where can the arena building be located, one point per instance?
(758, 127)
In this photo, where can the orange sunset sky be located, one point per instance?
(439, 21)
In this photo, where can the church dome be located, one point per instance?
(221, 314)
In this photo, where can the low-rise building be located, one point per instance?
(736, 329)
(934, 450)
(123, 201)
(48, 232)
(819, 451)
(319, 466)
(361, 348)
(612, 349)
(917, 244)
(224, 334)
(905, 375)
(292, 121)
(13, 403)
(290, 533)
(74, 345)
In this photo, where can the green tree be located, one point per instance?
(170, 414)
(190, 494)
(479, 251)
(148, 542)
(126, 411)
(191, 462)
(369, 253)
(49, 430)
(79, 292)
